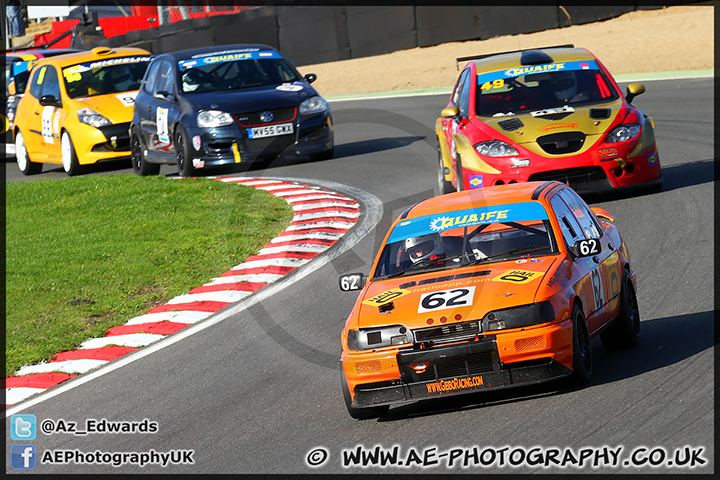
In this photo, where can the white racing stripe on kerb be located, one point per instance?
(229, 296)
(129, 340)
(254, 183)
(316, 197)
(326, 224)
(179, 317)
(311, 206)
(253, 278)
(308, 236)
(294, 248)
(18, 394)
(283, 186)
(295, 192)
(313, 216)
(272, 262)
(81, 365)
(229, 179)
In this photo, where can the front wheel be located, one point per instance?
(26, 166)
(443, 185)
(69, 156)
(139, 165)
(182, 152)
(582, 350)
(361, 413)
(624, 331)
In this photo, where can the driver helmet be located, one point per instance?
(564, 85)
(191, 80)
(424, 247)
(122, 78)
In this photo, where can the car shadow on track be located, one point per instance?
(662, 344)
(343, 151)
(674, 177)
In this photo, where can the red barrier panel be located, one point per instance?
(111, 26)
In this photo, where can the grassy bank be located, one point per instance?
(85, 254)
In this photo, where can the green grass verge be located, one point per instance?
(85, 254)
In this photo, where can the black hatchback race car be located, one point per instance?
(226, 104)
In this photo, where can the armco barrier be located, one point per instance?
(319, 34)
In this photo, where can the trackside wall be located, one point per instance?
(320, 34)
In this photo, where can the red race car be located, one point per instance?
(551, 113)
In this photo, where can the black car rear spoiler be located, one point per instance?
(478, 57)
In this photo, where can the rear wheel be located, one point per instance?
(443, 185)
(139, 165)
(624, 331)
(26, 166)
(582, 351)
(361, 413)
(182, 152)
(69, 156)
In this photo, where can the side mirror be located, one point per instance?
(11, 87)
(602, 213)
(633, 90)
(165, 95)
(450, 112)
(50, 100)
(352, 281)
(310, 77)
(586, 248)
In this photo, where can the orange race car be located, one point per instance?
(483, 289)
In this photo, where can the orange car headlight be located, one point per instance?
(369, 338)
(516, 317)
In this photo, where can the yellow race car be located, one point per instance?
(77, 109)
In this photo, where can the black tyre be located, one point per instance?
(361, 413)
(459, 175)
(582, 350)
(443, 185)
(26, 166)
(69, 156)
(139, 165)
(624, 331)
(183, 153)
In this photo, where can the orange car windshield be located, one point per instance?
(459, 247)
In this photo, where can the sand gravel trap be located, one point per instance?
(668, 39)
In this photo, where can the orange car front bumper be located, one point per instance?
(507, 359)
